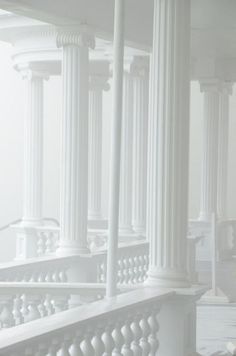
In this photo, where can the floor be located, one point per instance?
(217, 323)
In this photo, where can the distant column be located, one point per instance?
(98, 84)
(33, 162)
(125, 217)
(74, 139)
(223, 151)
(140, 70)
(212, 92)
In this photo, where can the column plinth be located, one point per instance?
(212, 92)
(168, 144)
(97, 85)
(74, 140)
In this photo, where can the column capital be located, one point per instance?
(211, 85)
(80, 36)
(140, 66)
(30, 72)
(98, 82)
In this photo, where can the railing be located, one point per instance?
(24, 302)
(125, 325)
(132, 264)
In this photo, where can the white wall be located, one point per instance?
(11, 148)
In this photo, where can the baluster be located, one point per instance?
(86, 345)
(17, 304)
(6, 316)
(48, 243)
(154, 327)
(33, 313)
(136, 270)
(108, 340)
(131, 270)
(128, 337)
(145, 333)
(48, 305)
(40, 245)
(54, 346)
(137, 334)
(60, 303)
(63, 276)
(65, 347)
(75, 349)
(42, 308)
(118, 338)
(97, 342)
(49, 277)
(41, 276)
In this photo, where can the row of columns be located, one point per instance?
(81, 145)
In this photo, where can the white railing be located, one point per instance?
(132, 263)
(24, 302)
(125, 325)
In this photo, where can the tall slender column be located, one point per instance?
(211, 90)
(168, 144)
(119, 19)
(97, 85)
(74, 140)
(140, 131)
(26, 246)
(33, 148)
(125, 217)
(223, 151)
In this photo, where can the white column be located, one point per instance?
(168, 144)
(125, 217)
(223, 151)
(97, 85)
(74, 140)
(140, 132)
(114, 191)
(33, 148)
(211, 90)
(26, 242)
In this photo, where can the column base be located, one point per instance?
(64, 251)
(177, 320)
(216, 297)
(167, 279)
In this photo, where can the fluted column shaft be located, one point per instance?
(125, 215)
(33, 148)
(97, 85)
(140, 131)
(74, 142)
(168, 143)
(211, 91)
(223, 151)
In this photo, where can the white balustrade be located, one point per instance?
(124, 325)
(24, 302)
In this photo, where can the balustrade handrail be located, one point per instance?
(4, 227)
(57, 326)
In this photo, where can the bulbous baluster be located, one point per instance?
(75, 349)
(86, 345)
(128, 337)
(48, 243)
(6, 316)
(49, 277)
(17, 304)
(126, 269)
(108, 340)
(118, 338)
(145, 333)
(63, 276)
(40, 245)
(33, 312)
(65, 346)
(137, 334)
(154, 327)
(131, 270)
(56, 276)
(48, 305)
(42, 308)
(54, 346)
(97, 342)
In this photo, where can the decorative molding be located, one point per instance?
(80, 36)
